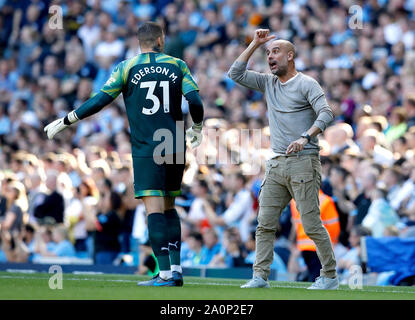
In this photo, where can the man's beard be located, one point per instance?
(281, 71)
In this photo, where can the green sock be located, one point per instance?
(157, 231)
(174, 235)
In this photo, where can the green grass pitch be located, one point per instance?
(114, 287)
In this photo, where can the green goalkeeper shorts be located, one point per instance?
(152, 179)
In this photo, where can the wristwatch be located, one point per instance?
(306, 135)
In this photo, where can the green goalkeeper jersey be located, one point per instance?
(152, 85)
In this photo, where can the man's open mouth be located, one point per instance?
(272, 64)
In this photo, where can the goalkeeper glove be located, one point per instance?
(60, 124)
(194, 134)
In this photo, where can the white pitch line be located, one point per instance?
(304, 287)
(70, 279)
(204, 283)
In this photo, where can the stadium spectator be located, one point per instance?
(340, 137)
(36, 194)
(211, 246)
(407, 225)
(144, 9)
(380, 214)
(83, 204)
(62, 246)
(196, 215)
(371, 148)
(109, 48)
(89, 33)
(240, 209)
(43, 241)
(363, 200)
(344, 206)
(409, 106)
(14, 247)
(13, 219)
(6, 82)
(352, 256)
(408, 187)
(393, 181)
(3, 199)
(12, 223)
(28, 241)
(4, 121)
(107, 225)
(400, 147)
(193, 255)
(52, 206)
(398, 125)
(233, 252)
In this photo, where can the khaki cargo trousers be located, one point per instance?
(288, 177)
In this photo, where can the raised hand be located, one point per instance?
(262, 36)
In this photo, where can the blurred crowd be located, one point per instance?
(73, 196)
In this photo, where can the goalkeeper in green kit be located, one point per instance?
(152, 84)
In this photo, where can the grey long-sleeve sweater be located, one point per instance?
(293, 106)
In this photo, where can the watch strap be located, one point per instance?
(307, 136)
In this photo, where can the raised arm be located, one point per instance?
(239, 73)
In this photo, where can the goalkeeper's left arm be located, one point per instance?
(194, 133)
(88, 108)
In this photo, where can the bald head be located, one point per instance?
(285, 45)
(280, 55)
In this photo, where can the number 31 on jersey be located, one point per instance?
(151, 85)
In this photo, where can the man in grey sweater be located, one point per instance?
(298, 112)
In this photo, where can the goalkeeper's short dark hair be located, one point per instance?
(148, 32)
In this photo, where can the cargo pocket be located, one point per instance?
(301, 185)
(260, 189)
(269, 165)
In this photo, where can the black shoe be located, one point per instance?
(156, 281)
(177, 278)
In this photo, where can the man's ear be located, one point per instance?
(160, 41)
(290, 55)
